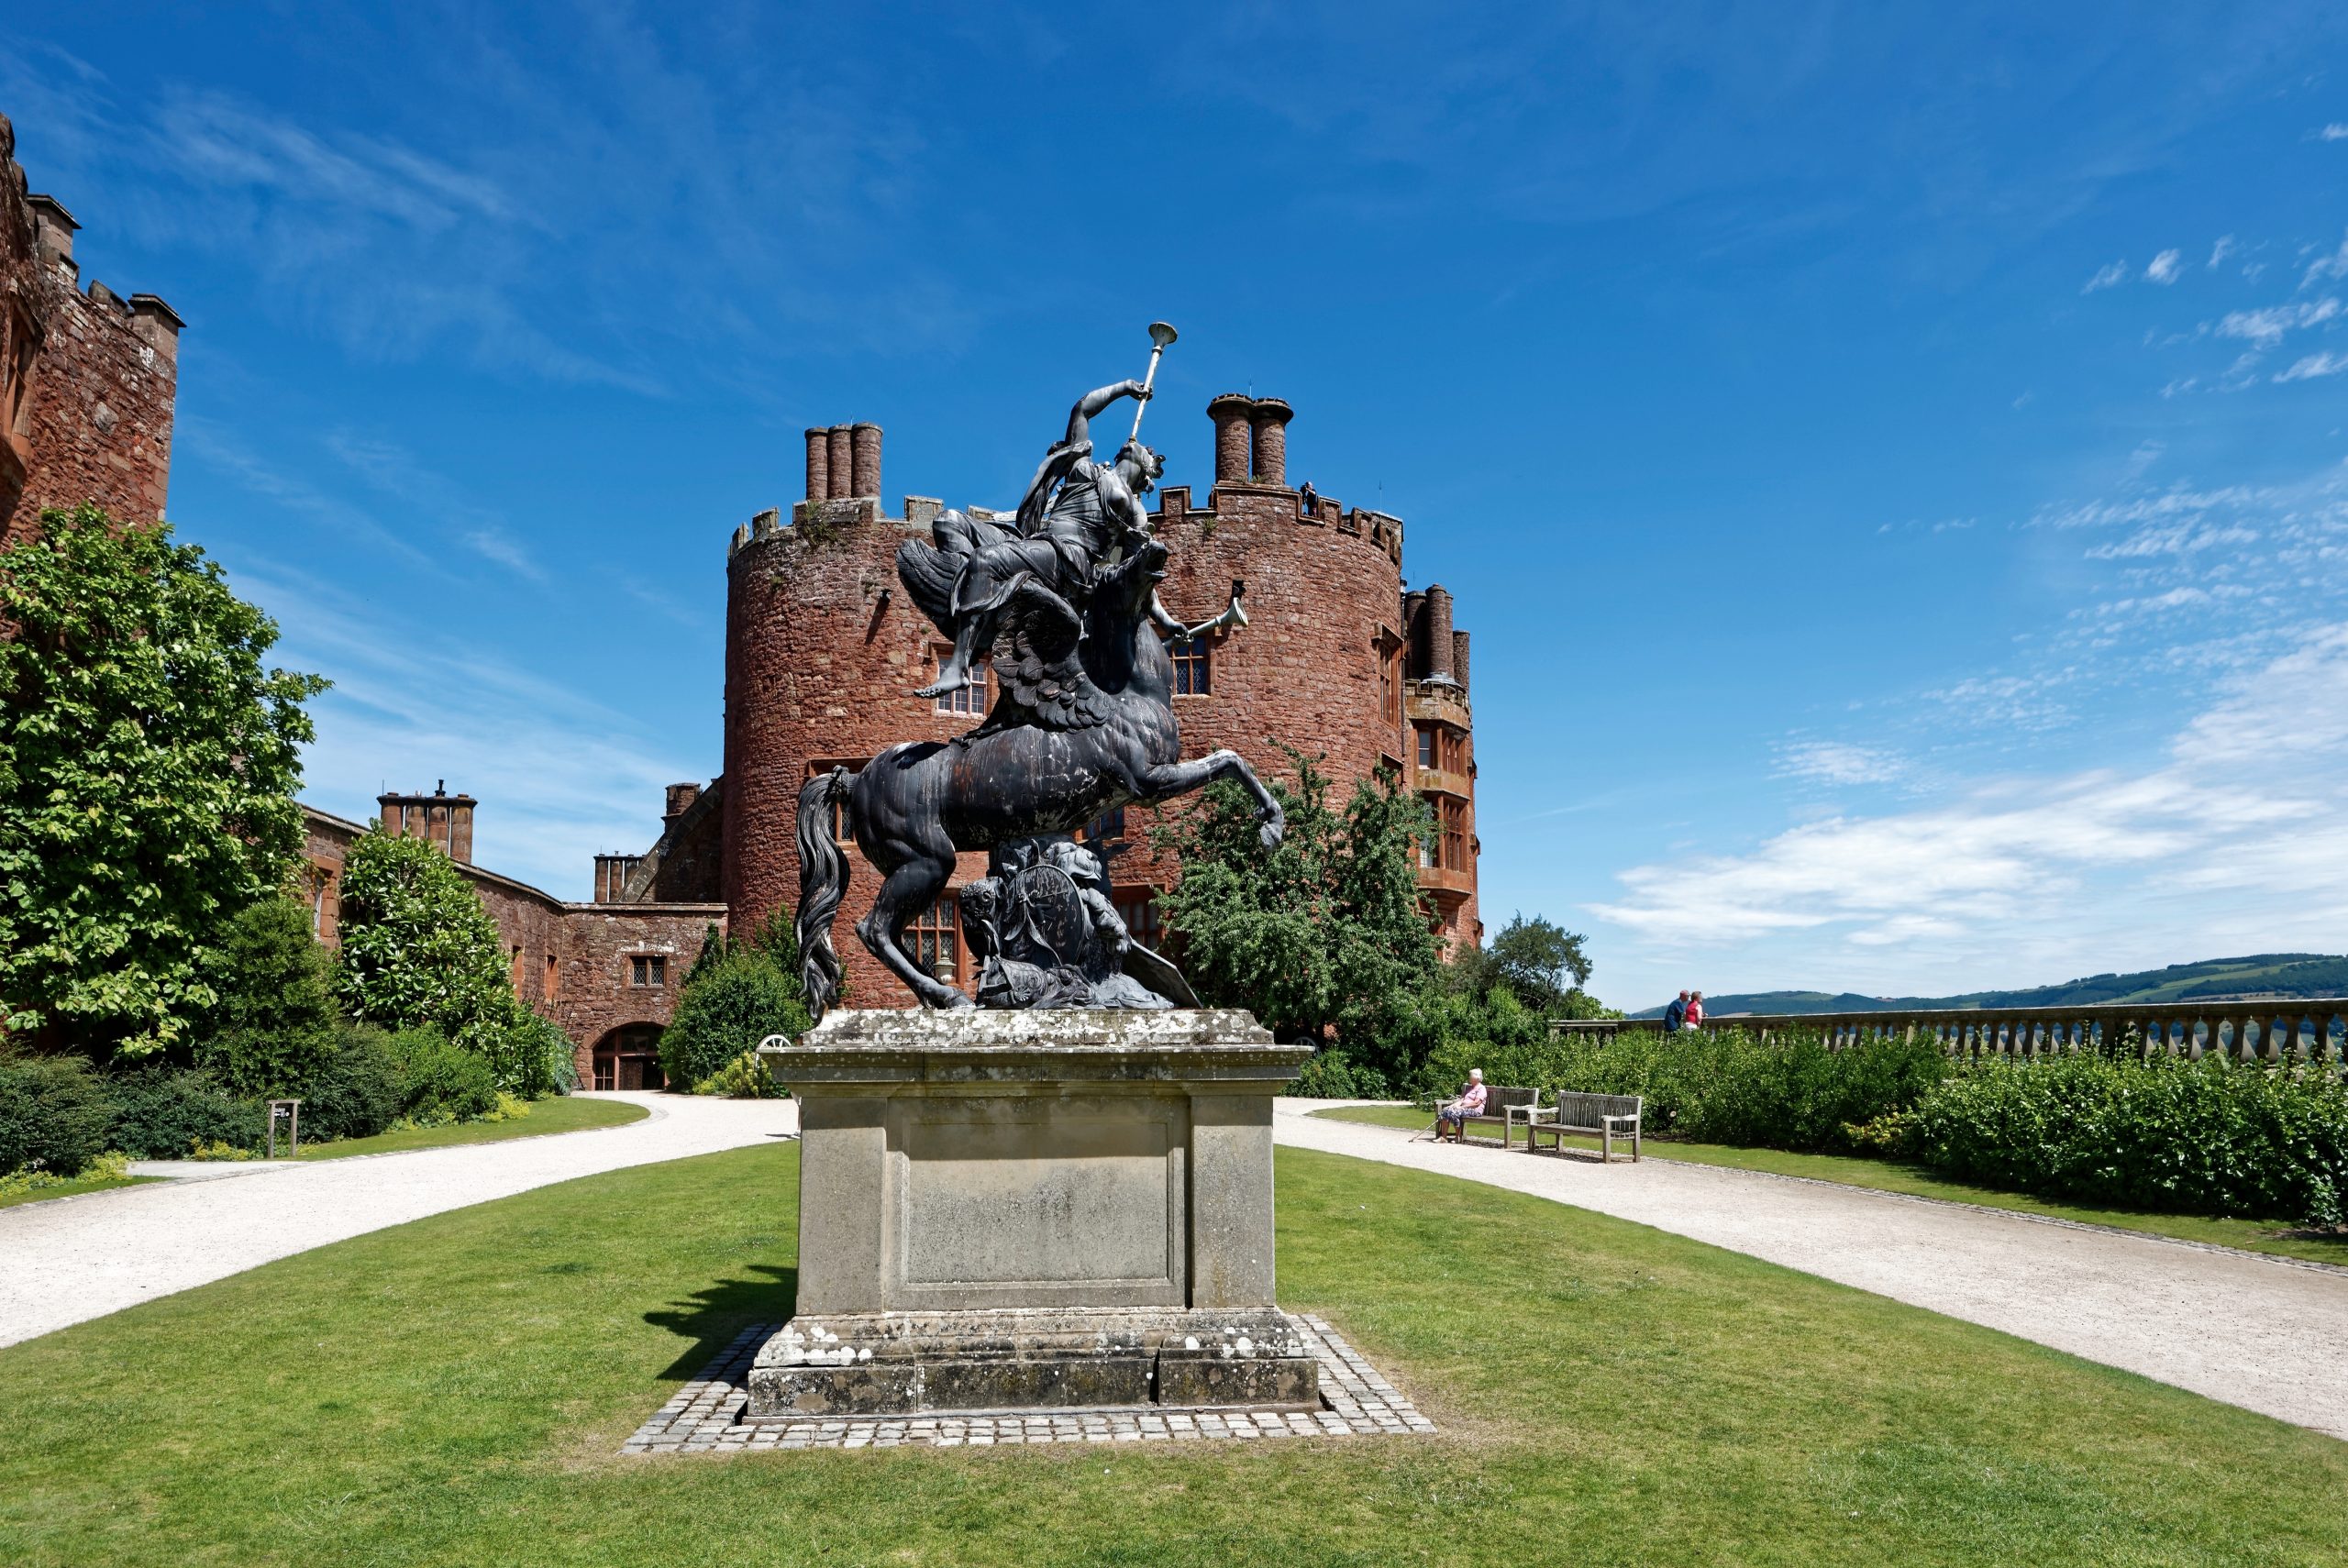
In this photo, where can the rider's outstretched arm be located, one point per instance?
(1079, 418)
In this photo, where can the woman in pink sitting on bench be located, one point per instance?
(1456, 1112)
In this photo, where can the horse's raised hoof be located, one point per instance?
(1272, 835)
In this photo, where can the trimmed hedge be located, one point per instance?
(2206, 1137)
(54, 1114)
(443, 1081)
(1331, 1074)
(1718, 1086)
(727, 1008)
(159, 1114)
(358, 1090)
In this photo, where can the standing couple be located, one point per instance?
(1684, 1012)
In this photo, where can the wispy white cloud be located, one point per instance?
(2335, 131)
(2224, 247)
(2107, 277)
(435, 502)
(561, 775)
(2165, 268)
(2312, 366)
(1838, 763)
(2332, 264)
(2013, 855)
(2268, 326)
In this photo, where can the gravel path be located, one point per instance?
(83, 1257)
(2247, 1329)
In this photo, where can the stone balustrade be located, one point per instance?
(2268, 1029)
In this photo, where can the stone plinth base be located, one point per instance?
(899, 1363)
(1033, 1210)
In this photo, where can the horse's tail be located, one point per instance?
(823, 880)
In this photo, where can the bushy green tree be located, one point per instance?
(275, 1024)
(728, 1007)
(1325, 933)
(1540, 962)
(418, 950)
(148, 763)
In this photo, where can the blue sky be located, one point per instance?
(1891, 461)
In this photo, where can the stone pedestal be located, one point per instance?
(1020, 1210)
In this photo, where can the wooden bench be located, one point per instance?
(1503, 1108)
(1604, 1116)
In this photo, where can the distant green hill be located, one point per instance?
(2259, 974)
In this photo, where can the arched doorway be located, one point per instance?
(629, 1058)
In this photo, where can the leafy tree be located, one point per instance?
(1324, 933)
(737, 994)
(275, 1023)
(148, 763)
(418, 951)
(1540, 963)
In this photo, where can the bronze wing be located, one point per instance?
(1036, 659)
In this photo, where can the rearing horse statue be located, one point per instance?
(1084, 723)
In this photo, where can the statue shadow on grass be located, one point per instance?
(714, 1314)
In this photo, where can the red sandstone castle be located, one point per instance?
(822, 651)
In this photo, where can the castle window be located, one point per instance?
(1440, 747)
(1426, 745)
(1106, 827)
(975, 698)
(553, 985)
(1454, 818)
(1390, 683)
(935, 940)
(516, 967)
(1138, 910)
(1193, 667)
(843, 832)
(648, 969)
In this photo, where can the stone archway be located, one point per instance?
(629, 1057)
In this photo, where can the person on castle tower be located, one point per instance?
(1075, 511)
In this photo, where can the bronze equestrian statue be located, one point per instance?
(1083, 724)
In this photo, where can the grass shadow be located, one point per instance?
(713, 1315)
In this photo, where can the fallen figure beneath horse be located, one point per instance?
(1084, 723)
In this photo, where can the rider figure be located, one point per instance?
(1074, 513)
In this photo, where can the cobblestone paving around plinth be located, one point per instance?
(706, 1415)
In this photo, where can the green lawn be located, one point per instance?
(1887, 1175)
(452, 1392)
(570, 1113)
(70, 1189)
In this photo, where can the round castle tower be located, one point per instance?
(822, 649)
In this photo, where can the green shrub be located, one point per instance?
(445, 1082)
(55, 1115)
(358, 1090)
(527, 1057)
(274, 1027)
(2205, 1137)
(161, 1114)
(1331, 1074)
(744, 1078)
(727, 1008)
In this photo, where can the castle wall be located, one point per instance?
(87, 378)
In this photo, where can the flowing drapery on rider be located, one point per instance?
(1075, 511)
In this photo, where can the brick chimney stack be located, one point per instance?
(1229, 412)
(842, 461)
(864, 444)
(442, 820)
(1270, 416)
(681, 799)
(1459, 658)
(819, 463)
(1439, 642)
